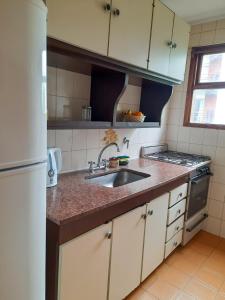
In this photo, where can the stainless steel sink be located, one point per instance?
(117, 178)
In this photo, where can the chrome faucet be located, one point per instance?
(101, 164)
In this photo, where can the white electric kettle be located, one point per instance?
(54, 166)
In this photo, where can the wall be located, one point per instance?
(67, 92)
(202, 141)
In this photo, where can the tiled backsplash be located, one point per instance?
(80, 146)
(197, 140)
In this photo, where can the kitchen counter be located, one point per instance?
(76, 206)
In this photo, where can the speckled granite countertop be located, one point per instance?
(75, 198)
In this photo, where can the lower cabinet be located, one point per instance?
(84, 266)
(126, 253)
(110, 261)
(155, 234)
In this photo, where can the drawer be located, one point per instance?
(177, 194)
(173, 243)
(175, 227)
(176, 211)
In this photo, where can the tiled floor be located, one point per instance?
(195, 272)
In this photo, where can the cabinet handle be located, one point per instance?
(150, 212)
(107, 7)
(177, 228)
(116, 12)
(180, 195)
(170, 44)
(175, 244)
(174, 45)
(144, 216)
(178, 212)
(108, 235)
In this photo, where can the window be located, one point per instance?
(205, 103)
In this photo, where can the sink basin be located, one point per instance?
(117, 178)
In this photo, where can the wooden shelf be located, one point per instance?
(109, 81)
(63, 124)
(136, 125)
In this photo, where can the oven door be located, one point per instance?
(199, 187)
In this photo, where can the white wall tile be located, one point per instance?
(79, 139)
(194, 40)
(215, 208)
(64, 139)
(93, 138)
(184, 134)
(221, 138)
(209, 26)
(207, 38)
(172, 132)
(222, 230)
(220, 24)
(79, 160)
(66, 161)
(65, 83)
(196, 135)
(213, 225)
(92, 155)
(82, 86)
(51, 81)
(220, 157)
(195, 149)
(51, 134)
(64, 108)
(51, 107)
(209, 151)
(217, 191)
(220, 36)
(210, 137)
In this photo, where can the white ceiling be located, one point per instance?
(197, 11)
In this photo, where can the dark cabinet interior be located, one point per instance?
(109, 81)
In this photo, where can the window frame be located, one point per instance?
(193, 83)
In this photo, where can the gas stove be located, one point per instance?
(161, 153)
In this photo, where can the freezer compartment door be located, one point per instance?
(22, 233)
(23, 126)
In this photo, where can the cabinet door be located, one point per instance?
(126, 255)
(81, 23)
(179, 50)
(161, 36)
(84, 265)
(155, 234)
(130, 31)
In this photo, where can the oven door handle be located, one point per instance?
(205, 216)
(200, 179)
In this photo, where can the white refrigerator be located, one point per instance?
(22, 149)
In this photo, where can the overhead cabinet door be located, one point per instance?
(179, 49)
(161, 39)
(126, 255)
(130, 31)
(81, 23)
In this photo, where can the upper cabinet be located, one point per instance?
(161, 36)
(179, 48)
(130, 31)
(168, 50)
(81, 23)
(147, 35)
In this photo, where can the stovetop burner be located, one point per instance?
(179, 158)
